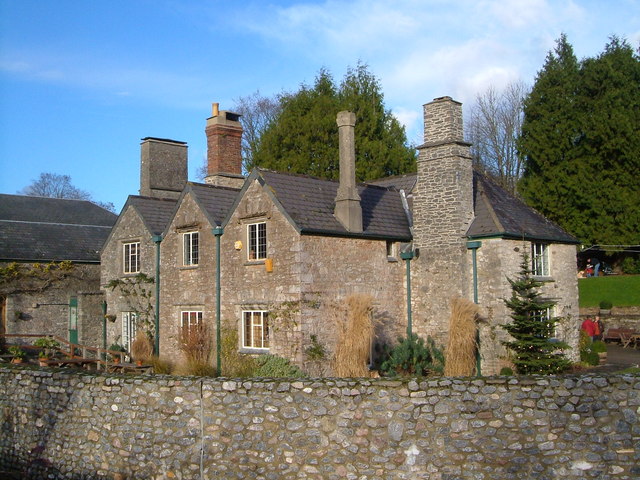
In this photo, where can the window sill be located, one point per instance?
(254, 351)
(542, 278)
(254, 262)
(188, 267)
(392, 260)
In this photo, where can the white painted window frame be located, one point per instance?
(129, 329)
(190, 249)
(258, 319)
(131, 257)
(540, 266)
(256, 241)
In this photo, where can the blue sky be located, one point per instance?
(81, 82)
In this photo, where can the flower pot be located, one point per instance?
(602, 356)
(43, 362)
(16, 360)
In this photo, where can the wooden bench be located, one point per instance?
(623, 335)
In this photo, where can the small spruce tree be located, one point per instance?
(531, 328)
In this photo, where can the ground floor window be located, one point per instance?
(190, 323)
(545, 315)
(129, 329)
(255, 329)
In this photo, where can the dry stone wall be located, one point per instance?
(57, 424)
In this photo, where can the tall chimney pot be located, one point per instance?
(348, 209)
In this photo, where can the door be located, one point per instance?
(73, 320)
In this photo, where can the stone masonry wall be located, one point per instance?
(498, 260)
(310, 275)
(129, 228)
(47, 312)
(64, 425)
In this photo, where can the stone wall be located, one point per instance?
(130, 228)
(47, 311)
(59, 424)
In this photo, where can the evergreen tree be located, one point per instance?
(532, 328)
(303, 138)
(581, 145)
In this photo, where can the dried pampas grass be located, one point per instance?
(355, 329)
(460, 353)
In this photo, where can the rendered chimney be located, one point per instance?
(163, 167)
(224, 148)
(348, 209)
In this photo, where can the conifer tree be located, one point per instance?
(581, 146)
(532, 329)
(303, 137)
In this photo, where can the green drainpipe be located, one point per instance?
(157, 239)
(474, 246)
(104, 328)
(408, 256)
(218, 231)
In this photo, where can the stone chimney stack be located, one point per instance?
(224, 148)
(348, 209)
(163, 167)
(443, 198)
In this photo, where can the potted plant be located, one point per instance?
(116, 347)
(48, 347)
(17, 354)
(605, 307)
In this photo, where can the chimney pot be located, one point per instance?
(215, 109)
(348, 209)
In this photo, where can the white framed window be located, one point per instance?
(131, 257)
(190, 248)
(190, 323)
(540, 259)
(257, 241)
(129, 329)
(255, 329)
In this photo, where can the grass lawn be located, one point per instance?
(621, 290)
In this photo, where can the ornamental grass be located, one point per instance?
(460, 354)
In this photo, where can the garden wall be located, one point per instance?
(61, 424)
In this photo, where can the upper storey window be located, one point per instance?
(257, 241)
(131, 257)
(540, 259)
(191, 241)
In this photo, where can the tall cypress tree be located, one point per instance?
(581, 146)
(303, 138)
(532, 327)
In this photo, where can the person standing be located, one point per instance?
(589, 326)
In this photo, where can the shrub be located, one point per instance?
(161, 365)
(234, 364)
(17, 352)
(606, 305)
(412, 357)
(194, 366)
(506, 371)
(630, 266)
(48, 346)
(273, 366)
(589, 357)
(598, 346)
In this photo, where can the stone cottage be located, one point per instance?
(50, 261)
(291, 247)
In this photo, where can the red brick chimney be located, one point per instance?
(224, 148)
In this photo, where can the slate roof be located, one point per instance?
(498, 213)
(215, 201)
(39, 229)
(155, 212)
(309, 203)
